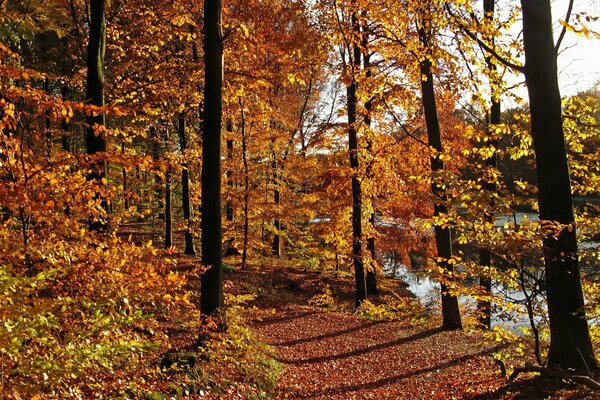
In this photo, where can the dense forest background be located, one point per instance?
(151, 149)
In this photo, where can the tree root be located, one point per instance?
(582, 379)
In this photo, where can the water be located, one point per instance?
(427, 291)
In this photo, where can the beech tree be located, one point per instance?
(492, 118)
(95, 138)
(443, 239)
(570, 343)
(352, 104)
(211, 291)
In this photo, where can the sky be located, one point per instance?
(579, 58)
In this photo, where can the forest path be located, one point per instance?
(331, 355)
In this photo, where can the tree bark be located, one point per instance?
(246, 187)
(211, 292)
(485, 258)
(95, 139)
(570, 343)
(450, 312)
(352, 102)
(372, 270)
(185, 189)
(168, 211)
(277, 201)
(229, 212)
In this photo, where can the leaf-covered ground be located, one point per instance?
(338, 355)
(329, 355)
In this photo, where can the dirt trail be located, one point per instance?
(328, 355)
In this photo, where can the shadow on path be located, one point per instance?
(330, 334)
(285, 318)
(364, 350)
(344, 389)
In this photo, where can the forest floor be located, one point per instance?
(336, 354)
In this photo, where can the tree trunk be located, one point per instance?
(570, 343)
(485, 258)
(66, 126)
(450, 311)
(229, 212)
(185, 189)
(211, 293)
(352, 102)
(246, 187)
(48, 123)
(95, 139)
(168, 211)
(230, 249)
(158, 186)
(277, 200)
(124, 178)
(372, 270)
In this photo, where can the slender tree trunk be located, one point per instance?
(352, 102)
(277, 200)
(185, 188)
(246, 187)
(230, 213)
(230, 249)
(66, 126)
(168, 211)
(124, 177)
(211, 292)
(443, 241)
(95, 139)
(372, 270)
(48, 123)
(168, 205)
(484, 306)
(570, 343)
(158, 186)
(65, 140)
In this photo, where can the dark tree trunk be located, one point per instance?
(229, 212)
(95, 139)
(352, 102)
(246, 188)
(168, 206)
(372, 271)
(570, 343)
(124, 177)
(277, 200)
(211, 293)
(168, 211)
(66, 126)
(158, 185)
(230, 249)
(48, 123)
(185, 189)
(443, 241)
(484, 306)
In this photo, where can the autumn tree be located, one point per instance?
(570, 343)
(211, 292)
(95, 138)
(443, 239)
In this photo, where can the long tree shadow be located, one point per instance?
(364, 350)
(285, 318)
(330, 334)
(344, 389)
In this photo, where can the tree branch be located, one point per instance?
(482, 44)
(564, 29)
